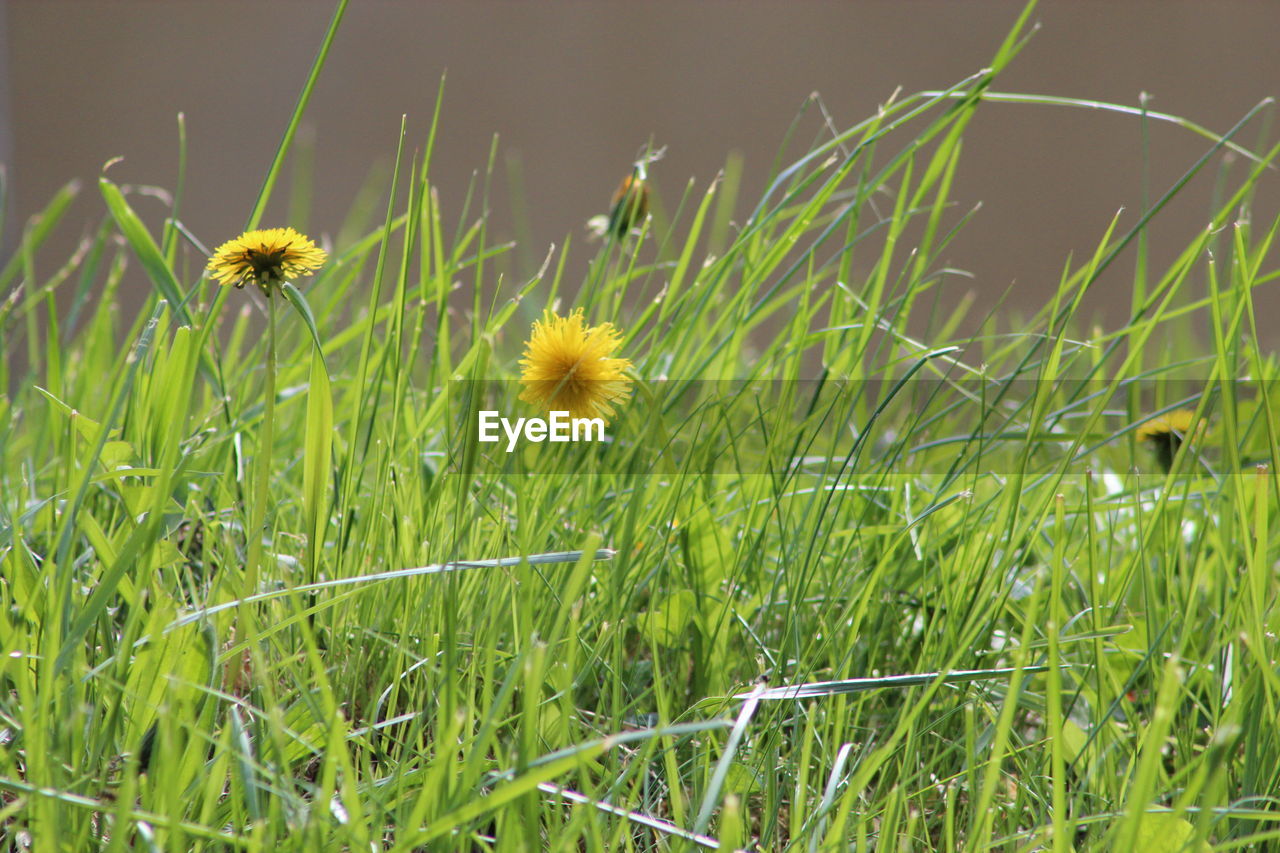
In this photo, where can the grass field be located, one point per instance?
(847, 573)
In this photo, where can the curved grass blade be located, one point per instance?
(815, 689)
(317, 458)
(433, 569)
(144, 247)
(709, 800)
(638, 818)
(286, 142)
(300, 304)
(42, 225)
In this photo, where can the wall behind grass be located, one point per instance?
(575, 89)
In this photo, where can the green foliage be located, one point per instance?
(850, 572)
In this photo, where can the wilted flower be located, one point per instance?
(630, 205)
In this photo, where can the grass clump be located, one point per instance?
(842, 576)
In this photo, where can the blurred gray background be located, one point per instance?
(574, 90)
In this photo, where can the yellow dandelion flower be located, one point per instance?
(568, 367)
(1165, 433)
(1177, 421)
(266, 258)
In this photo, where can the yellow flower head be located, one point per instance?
(1166, 433)
(1175, 423)
(266, 258)
(568, 367)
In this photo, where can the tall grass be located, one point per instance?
(844, 576)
